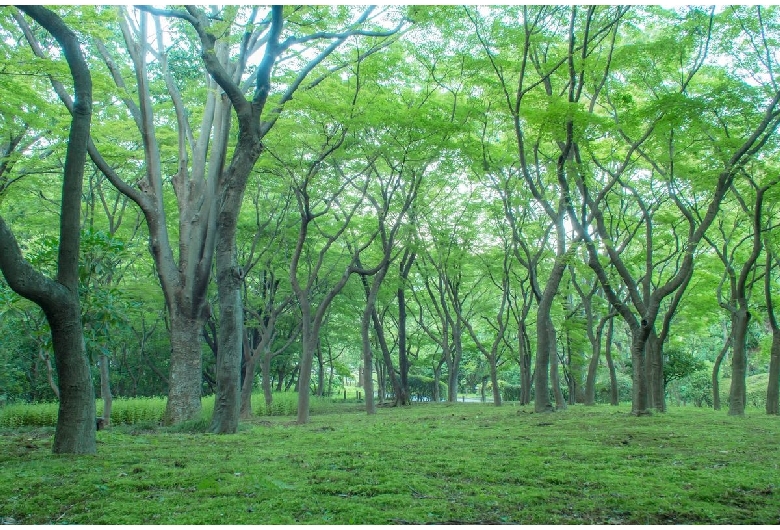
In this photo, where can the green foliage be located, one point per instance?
(696, 388)
(679, 364)
(624, 385)
(144, 410)
(421, 388)
(510, 392)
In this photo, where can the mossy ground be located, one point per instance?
(445, 463)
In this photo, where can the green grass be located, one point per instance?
(148, 410)
(443, 463)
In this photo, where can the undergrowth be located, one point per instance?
(431, 463)
(133, 411)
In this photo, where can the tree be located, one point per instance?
(59, 298)
(773, 384)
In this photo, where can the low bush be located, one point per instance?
(146, 410)
(421, 388)
(29, 415)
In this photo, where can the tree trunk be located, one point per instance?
(590, 381)
(265, 371)
(655, 373)
(545, 338)
(76, 422)
(593, 366)
(405, 266)
(436, 381)
(185, 378)
(773, 384)
(308, 345)
(639, 387)
(494, 381)
(525, 364)
(247, 386)
(457, 336)
(75, 431)
(614, 397)
(716, 369)
(320, 370)
(368, 360)
(560, 402)
(541, 370)
(46, 358)
(105, 390)
(738, 390)
(402, 397)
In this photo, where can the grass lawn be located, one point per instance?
(462, 463)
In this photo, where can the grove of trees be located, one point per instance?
(547, 204)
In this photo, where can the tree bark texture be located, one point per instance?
(738, 390)
(185, 377)
(655, 373)
(640, 395)
(545, 338)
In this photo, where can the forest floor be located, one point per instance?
(429, 463)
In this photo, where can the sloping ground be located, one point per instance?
(429, 463)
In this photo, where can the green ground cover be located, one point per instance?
(470, 463)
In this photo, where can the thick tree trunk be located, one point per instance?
(185, 378)
(640, 405)
(655, 373)
(545, 337)
(76, 421)
(542, 401)
(738, 390)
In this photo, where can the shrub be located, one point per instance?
(130, 411)
(29, 415)
(147, 410)
(510, 392)
(421, 388)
